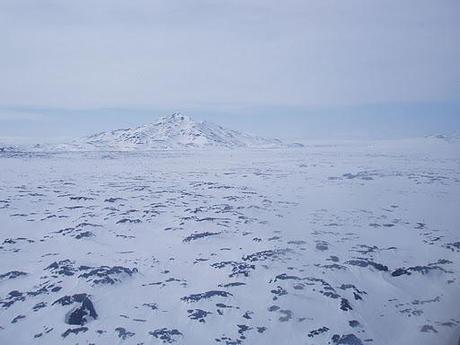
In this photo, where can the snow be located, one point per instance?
(331, 243)
(175, 131)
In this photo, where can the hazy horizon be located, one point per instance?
(25, 126)
(309, 69)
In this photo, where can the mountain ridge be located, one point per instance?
(175, 131)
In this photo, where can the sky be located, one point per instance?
(291, 68)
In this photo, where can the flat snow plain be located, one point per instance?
(339, 243)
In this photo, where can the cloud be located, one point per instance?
(231, 53)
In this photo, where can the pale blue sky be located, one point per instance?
(292, 68)
(351, 122)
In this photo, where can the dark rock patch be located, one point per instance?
(17, 318)
(166, 335)
(12, 275)
(266, 254)
(63, 267)
(74, 331)
(366, 263)
(128, 220)
(105, 274)
(197, 236)
(349, 339)
(206, 295)
(238, 268)
(428, 329)
(82, 314)
(198, 314)
(123, 333)
(318, 332)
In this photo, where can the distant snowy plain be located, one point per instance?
(332, 243)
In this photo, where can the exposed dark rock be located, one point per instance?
(428, 329)
(197, 236)
(318, 332)
(345, 305)
(273, 308)
(74, 331)
(198, 314)
(206, 295)
(349, 339)
(166, 335)
(322, 246)
(152, 306)
(286, 315)
(366, 263)
(354, 323)
(266, 254)
(105, 274)
(123, 333)
(419, 269)
(278, 292)
(232, 284)
(82, 314)
(63, 267)
(12, 275)
(284, 276)
(80, 198)
(84, 234)
(39, 306)
(127, 220)
(17, 318)
(238, 268)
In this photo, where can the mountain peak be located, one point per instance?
(174, 131)
(176, 117)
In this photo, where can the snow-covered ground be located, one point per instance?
(345, 243)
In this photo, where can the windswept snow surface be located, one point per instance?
(350, 243)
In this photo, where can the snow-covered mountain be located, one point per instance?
(175, 131)
(7, 148)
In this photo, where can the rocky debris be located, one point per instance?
(17, 318)
(322, 246)
(206, 295)
(358, 294)
(199, 235)
(128, 220)
(63, 267)
(166, 335)
(286, 315)
(198, 314)
(349, 339)
(105, 274)
(80, 198)
(238, 268)
(123, 333)
(278, 292)
(74, 331)
(152, 306)
(84, 234)
(12, 275)
(366, 263)
(354, 323)
(453, 246)
(428, 329)
(422, 269)
(266, 254)
(318, 331)
(345, 305)
(81, 314)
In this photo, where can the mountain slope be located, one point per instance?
(175, 131)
